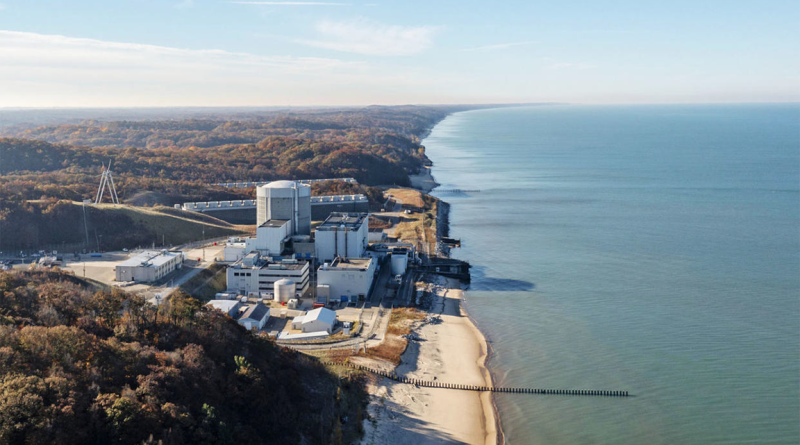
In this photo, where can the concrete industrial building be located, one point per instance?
(256, 276)
(346, 277)
(245, 211)
(342, 235)
(235, 249)
(254, 317)
(285, 200)
(271, 237)
(317, 320)
(382, 250)
(149, 266)
(323, 206)
(301, 181)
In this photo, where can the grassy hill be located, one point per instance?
(51, 224)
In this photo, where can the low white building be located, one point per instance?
(256, 276)
(317, 320)
(230, 307)
(235, 249)
(347, 277)
(254, 317)
(342, 234)
(149, 266)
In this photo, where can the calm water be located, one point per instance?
(654, 249)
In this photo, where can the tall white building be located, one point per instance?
(285, 200)
(271, 237)
(342, 235)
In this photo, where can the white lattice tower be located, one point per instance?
(106, 182)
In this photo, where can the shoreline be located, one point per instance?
(425, 182)
(448, 346)
(491, 413)
(494, 433)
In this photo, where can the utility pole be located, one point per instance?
(85, 225)
(204, 243)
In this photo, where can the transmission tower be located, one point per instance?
(106, 182)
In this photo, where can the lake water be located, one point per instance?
(653, 249)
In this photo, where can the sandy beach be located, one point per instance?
(452, 351)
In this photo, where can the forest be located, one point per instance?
(180, 160)
(167, 162)
(88, 366)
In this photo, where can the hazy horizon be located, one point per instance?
(367, 105)
(204, 53)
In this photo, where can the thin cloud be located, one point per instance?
(56, 70)
(363, 36)
(22, 51)
(291, 3)
(498, 46)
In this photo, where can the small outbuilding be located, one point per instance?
(254, 317)
(230, 307)
(317, 320)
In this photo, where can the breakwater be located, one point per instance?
(463, 387)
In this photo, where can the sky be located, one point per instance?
(144, 53)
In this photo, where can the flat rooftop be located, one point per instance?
(274, 223)
(278, 265)
(223, 305)
(340, 220)
(149, 258)
(350, 264)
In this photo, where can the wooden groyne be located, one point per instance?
(458, 386)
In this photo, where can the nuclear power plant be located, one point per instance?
(283, 247)
(301, 273)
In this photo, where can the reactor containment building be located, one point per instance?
(285, 200)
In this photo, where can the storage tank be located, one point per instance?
(287, 200)
(399, 262)
(284, 290)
